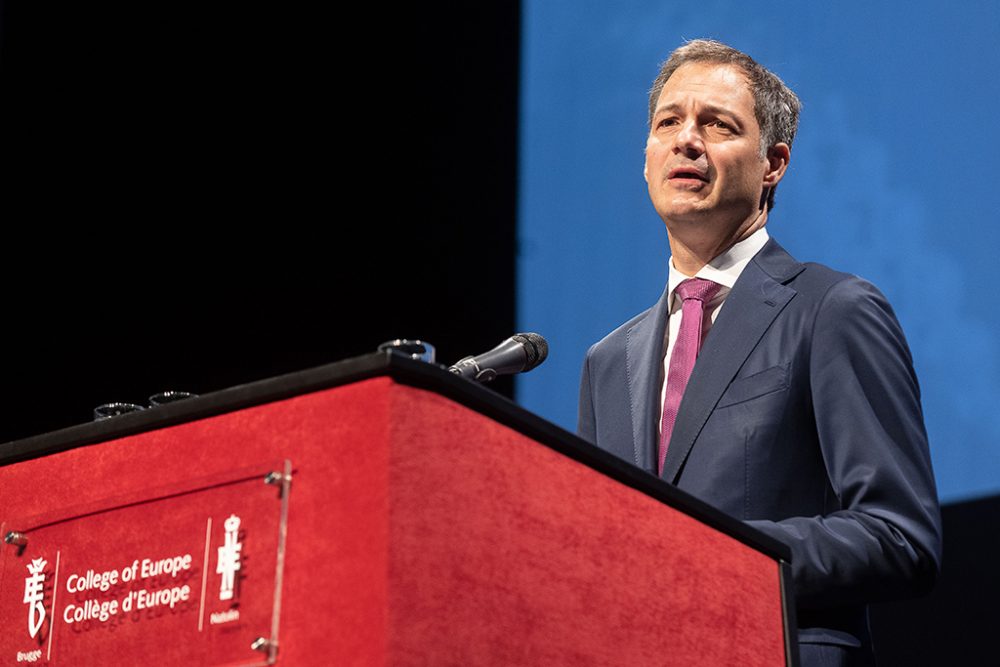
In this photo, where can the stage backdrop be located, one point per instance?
(893, 177)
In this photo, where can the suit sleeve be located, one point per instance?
(586, 426)
(883, 538)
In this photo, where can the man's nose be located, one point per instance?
(688, 140)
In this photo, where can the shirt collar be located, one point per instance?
(726, 267)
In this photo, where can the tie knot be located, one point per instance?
(698, 288)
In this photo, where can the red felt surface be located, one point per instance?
(422, 533)
(505, 552)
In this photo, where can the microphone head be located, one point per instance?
(536, 347)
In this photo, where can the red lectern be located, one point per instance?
(376, 511)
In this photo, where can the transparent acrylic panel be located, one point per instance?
(185, 575)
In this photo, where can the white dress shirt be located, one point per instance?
(724, 270)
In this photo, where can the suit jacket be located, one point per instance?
(802, 417)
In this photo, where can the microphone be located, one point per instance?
(518, 354)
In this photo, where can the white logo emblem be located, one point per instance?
(34, 594)
(229, 558)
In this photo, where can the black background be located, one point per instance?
(200, 196)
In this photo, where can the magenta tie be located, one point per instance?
(695, 292)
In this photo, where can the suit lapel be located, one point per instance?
(755, 300)
(644, 360)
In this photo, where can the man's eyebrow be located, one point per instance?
(710, 108)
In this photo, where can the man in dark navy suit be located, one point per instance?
(782, 393)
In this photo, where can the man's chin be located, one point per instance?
(694, 212)
(682, 201)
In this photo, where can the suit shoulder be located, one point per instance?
(615, 341)
(841, 302)
(823, 283)
(821, 277)
(851, 311)
(811, 280)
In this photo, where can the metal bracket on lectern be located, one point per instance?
(264, 645)
(277, 477)
(16, 538)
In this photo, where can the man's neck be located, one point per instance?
(694, 246)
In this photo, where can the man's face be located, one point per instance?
(703, 162)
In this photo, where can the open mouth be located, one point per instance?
(688, 173)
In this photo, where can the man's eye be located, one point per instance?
(666, 122)
(722, 125)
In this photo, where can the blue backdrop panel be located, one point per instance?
(893, 177)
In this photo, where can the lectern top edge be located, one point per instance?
(406, 371)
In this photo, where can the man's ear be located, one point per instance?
(777, 162)
(645, 159)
